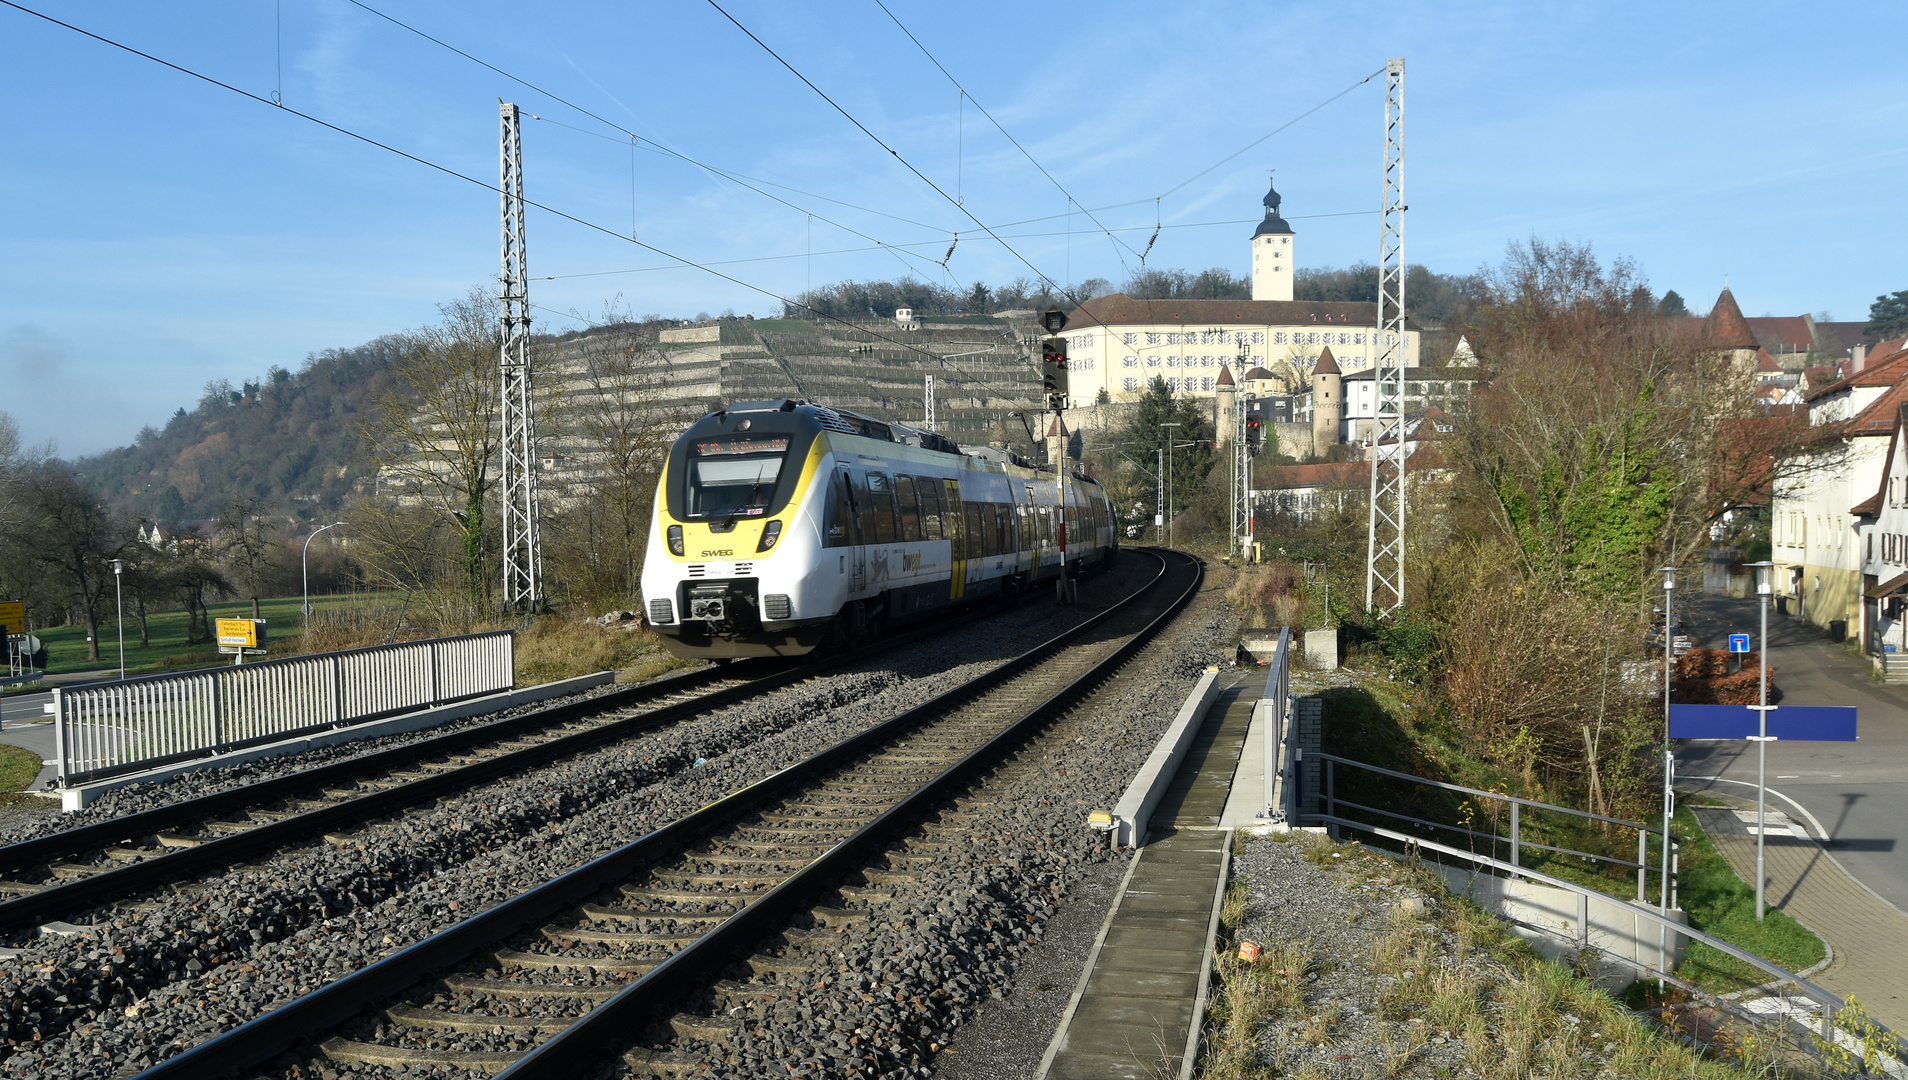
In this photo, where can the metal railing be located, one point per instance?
(114, 728)
(1274, 712)
(1826, 1003)
(1515, 841)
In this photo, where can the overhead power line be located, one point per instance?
(446, 170)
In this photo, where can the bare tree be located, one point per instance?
(619, 420)
(245, 542)
(435, 433)
(70, 535)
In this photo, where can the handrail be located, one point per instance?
(1338, 801)
(1490, 794)
(1274, 701)
(1781, 974)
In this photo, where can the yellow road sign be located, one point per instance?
(13, 616)
(247, 633)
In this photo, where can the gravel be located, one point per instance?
(978, 954)
(142, 983)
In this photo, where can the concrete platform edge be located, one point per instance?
(79, 797)
(1133, 813)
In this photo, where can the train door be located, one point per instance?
(955, 524)
(977, 525)
(849, 505)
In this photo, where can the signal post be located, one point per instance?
(1053, 384)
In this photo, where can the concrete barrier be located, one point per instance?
(1557, 922)
(80, 796)
(1135, 808)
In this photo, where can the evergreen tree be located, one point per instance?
(1887, 317)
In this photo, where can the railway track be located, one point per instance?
(60, 876)
(541, 985)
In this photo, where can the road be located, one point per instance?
(23, 708)
(1857, 792)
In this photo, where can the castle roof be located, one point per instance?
(1119, 309)
(1273, 223)
(1326, 365)
(1225, 377)
(1726, 327)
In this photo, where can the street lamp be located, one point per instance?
(1669, 756)
(304, 573)
(119, 609)
(1762, 740)
(1169, 481)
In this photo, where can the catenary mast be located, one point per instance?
(1385, 534)
(522, 546)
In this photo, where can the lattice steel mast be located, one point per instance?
(1385, 534)
(522, 546)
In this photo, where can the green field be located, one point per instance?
(66, 645)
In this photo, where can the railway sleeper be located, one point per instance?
(665, 1064)
(442, 1020)
(173, 839)
(22, 888)
(715, 1029)
(684, 896)
(599, 913)
(74, 871)
(349, 1052)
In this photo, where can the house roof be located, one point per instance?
(1119, 309)
(1871, 506)
(1324, 474)
(1887, 370)
(1765, 362)
(1725, 325)
(1259, 373)
(1326, 365)
(1783, 333)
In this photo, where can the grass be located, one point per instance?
(1723, 905)
(1460, 972)
(169, 649)
(17, 769)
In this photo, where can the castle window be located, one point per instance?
(1172, 384)
(1358, 339)
(1278, 338)
(1131, 385)
(1152, 361)
(1130, 361)
(1205, 384)
(1129, 339)
(1172, 361)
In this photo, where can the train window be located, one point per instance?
(881, 508)
(910, 508)
(1003, 536)
(930, 495)
(974, 530)
(732, 477)
(990, 536)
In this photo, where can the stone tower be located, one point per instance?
(1057, 436)
(1225, 408)
(1328, 403)
(1272, 253)
(1728, 332)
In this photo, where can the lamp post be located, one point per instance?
(1669, 755)
(119, 610)
(1169, 481)
(304, 573)
(1762, 740)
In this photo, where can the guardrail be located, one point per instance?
(1827, 1004)
(1516, 842)
(115, 728)
(1282, 780)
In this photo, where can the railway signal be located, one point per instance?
(1254, 432)
(1053, 370)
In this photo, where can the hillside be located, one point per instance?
(290, 438)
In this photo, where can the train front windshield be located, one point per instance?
(733, 477)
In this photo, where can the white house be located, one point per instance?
(1884, 518)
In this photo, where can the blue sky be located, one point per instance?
(166, 232)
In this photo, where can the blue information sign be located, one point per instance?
(1739, 643)
(1809, 723)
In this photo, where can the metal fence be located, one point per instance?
(115, 728)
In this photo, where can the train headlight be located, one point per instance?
(675, 540)
(770, 533)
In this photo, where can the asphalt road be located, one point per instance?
(1857, 792)
(23, 708)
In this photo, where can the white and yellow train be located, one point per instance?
(784, 526)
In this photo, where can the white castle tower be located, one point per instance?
(1272, 253)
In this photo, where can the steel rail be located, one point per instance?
(270, 1034)
(79, 894)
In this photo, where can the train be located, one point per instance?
(784, 528)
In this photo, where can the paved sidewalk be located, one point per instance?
(1869, 937)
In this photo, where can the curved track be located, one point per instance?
(542, 984)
